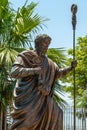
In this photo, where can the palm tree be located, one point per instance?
(16, 31)
(57, 55)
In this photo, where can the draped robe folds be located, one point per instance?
(34, 108)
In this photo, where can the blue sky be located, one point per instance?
(59, 26)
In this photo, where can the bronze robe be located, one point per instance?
(34, 108)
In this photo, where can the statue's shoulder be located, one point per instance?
(27, 52)
(52, 62)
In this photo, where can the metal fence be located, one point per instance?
(68, 119)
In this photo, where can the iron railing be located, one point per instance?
(68, 119)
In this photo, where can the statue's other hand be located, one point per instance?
(73, 64)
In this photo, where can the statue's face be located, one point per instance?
(42, 49)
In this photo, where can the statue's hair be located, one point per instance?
(41, 38)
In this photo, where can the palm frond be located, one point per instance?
(27, 24)
(58, 94)
(8, 55)
(60, 101)
(57, 55)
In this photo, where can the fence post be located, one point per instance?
(83, 119)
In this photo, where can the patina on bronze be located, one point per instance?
(34, 107)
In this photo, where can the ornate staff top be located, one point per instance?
(74, 11)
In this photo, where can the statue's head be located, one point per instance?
(42, 42)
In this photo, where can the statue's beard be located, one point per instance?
(40, 52)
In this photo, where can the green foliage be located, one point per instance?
(8, 55)
(6, 87)
(26, 24)
(16, 31)
(57, 55)
(81, 72)
(58, 94)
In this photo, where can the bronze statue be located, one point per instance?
(34, 107)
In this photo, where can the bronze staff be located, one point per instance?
(74, 10)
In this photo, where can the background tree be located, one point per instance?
(81, 73)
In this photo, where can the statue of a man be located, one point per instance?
(34, 107)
